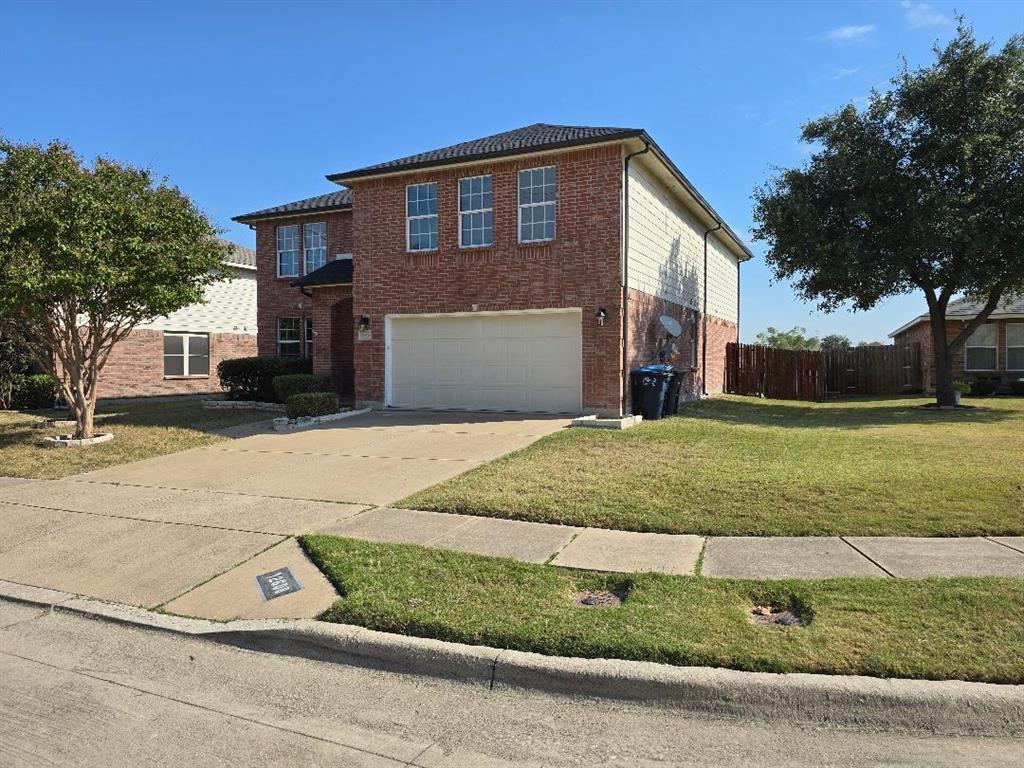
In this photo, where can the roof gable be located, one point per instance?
(338, 200)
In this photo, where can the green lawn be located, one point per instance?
(142, 428)
(968, 629)
(746, 466)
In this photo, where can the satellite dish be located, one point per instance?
(671, 326)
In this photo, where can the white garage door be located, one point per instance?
(503, 361)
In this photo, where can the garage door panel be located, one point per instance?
(519, 362)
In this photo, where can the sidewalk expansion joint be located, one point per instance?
(870, 559)
(1003, 544)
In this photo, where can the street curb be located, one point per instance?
(952, 708)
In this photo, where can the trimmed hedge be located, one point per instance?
(1017, 387)
(312, 404)
(983, 387)
(36, 391)
(298, 383)
(252, 378)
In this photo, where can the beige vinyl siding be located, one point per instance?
(230, 307)
(666, 251)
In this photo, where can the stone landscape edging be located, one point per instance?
(947, 707)
(285, 424)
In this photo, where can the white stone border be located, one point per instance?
(62, 441)
(593, 422)
(284, 424)
(241, 405)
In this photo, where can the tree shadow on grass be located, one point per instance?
(853, 413)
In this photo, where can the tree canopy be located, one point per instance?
(89, 252)
(921, 191)
(795, 338)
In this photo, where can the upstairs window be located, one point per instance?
(288, 251)
(476, 212)
(1015, 346)
(314, 239)
(981, 353)
(186, 354)
(289, 337)
(537, 205)
(421, 217)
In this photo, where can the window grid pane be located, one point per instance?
(186, 354)
(421, 216)
(315, 241)
(537, 204)
(476, 212)
(288, 251)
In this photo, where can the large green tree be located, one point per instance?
(922, 191)
(89, 252)
(795, 338)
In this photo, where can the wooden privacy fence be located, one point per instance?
(876, 370)
(788, 374)
(785, 374)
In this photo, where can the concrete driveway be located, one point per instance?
(148, 532)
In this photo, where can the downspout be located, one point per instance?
(625, 269)
(704, 317)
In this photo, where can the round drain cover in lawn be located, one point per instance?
(774, 615)
(597, 598)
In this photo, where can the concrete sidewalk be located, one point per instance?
(732, 557)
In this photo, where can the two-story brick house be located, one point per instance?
(525, 271)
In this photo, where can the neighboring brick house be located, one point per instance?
(493, 274)
(178, 354)
(994, 351)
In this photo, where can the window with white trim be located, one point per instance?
(289, 337)
(308, 350)
(981, 352)
(1015, 346)
(421, 217)
(537, 205)
(476, 212)
(288, 251)
(314, 242)
(186, 354)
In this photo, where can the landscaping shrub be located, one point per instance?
(252, 378)
(1017, 387)
(14, 365)
(983, 387)
(312, 404)
(299, 383)
(36, 391)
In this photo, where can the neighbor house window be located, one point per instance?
(288, 251)
(308, 350)
(314, 241)
(289, 337)
(476, 212)
(186, 354)
(537, 205)
(421, 217)
(981, 352)
(1015, 346)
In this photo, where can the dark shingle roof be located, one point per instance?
(336, 272)
(965, 309)
(332, 201)
(522, 140)
(240, 255)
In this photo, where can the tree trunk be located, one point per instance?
(943, 358)
(84, 408)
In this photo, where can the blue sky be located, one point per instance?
(245, 105)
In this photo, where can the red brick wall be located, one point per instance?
(334, 336)
(136, 365)
(922, 334)
(580, 268)
(646, 334)
(275, 297)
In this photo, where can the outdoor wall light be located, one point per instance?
(364, 323)
(602, 313)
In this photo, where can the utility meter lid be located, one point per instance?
(671, 325)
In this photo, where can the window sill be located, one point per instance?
(179, 378)
(535, 243)
(476, 247)
(424, 250)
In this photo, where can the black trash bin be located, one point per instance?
(671, 407)
(650, 386)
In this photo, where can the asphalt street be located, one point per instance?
(77, 691)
